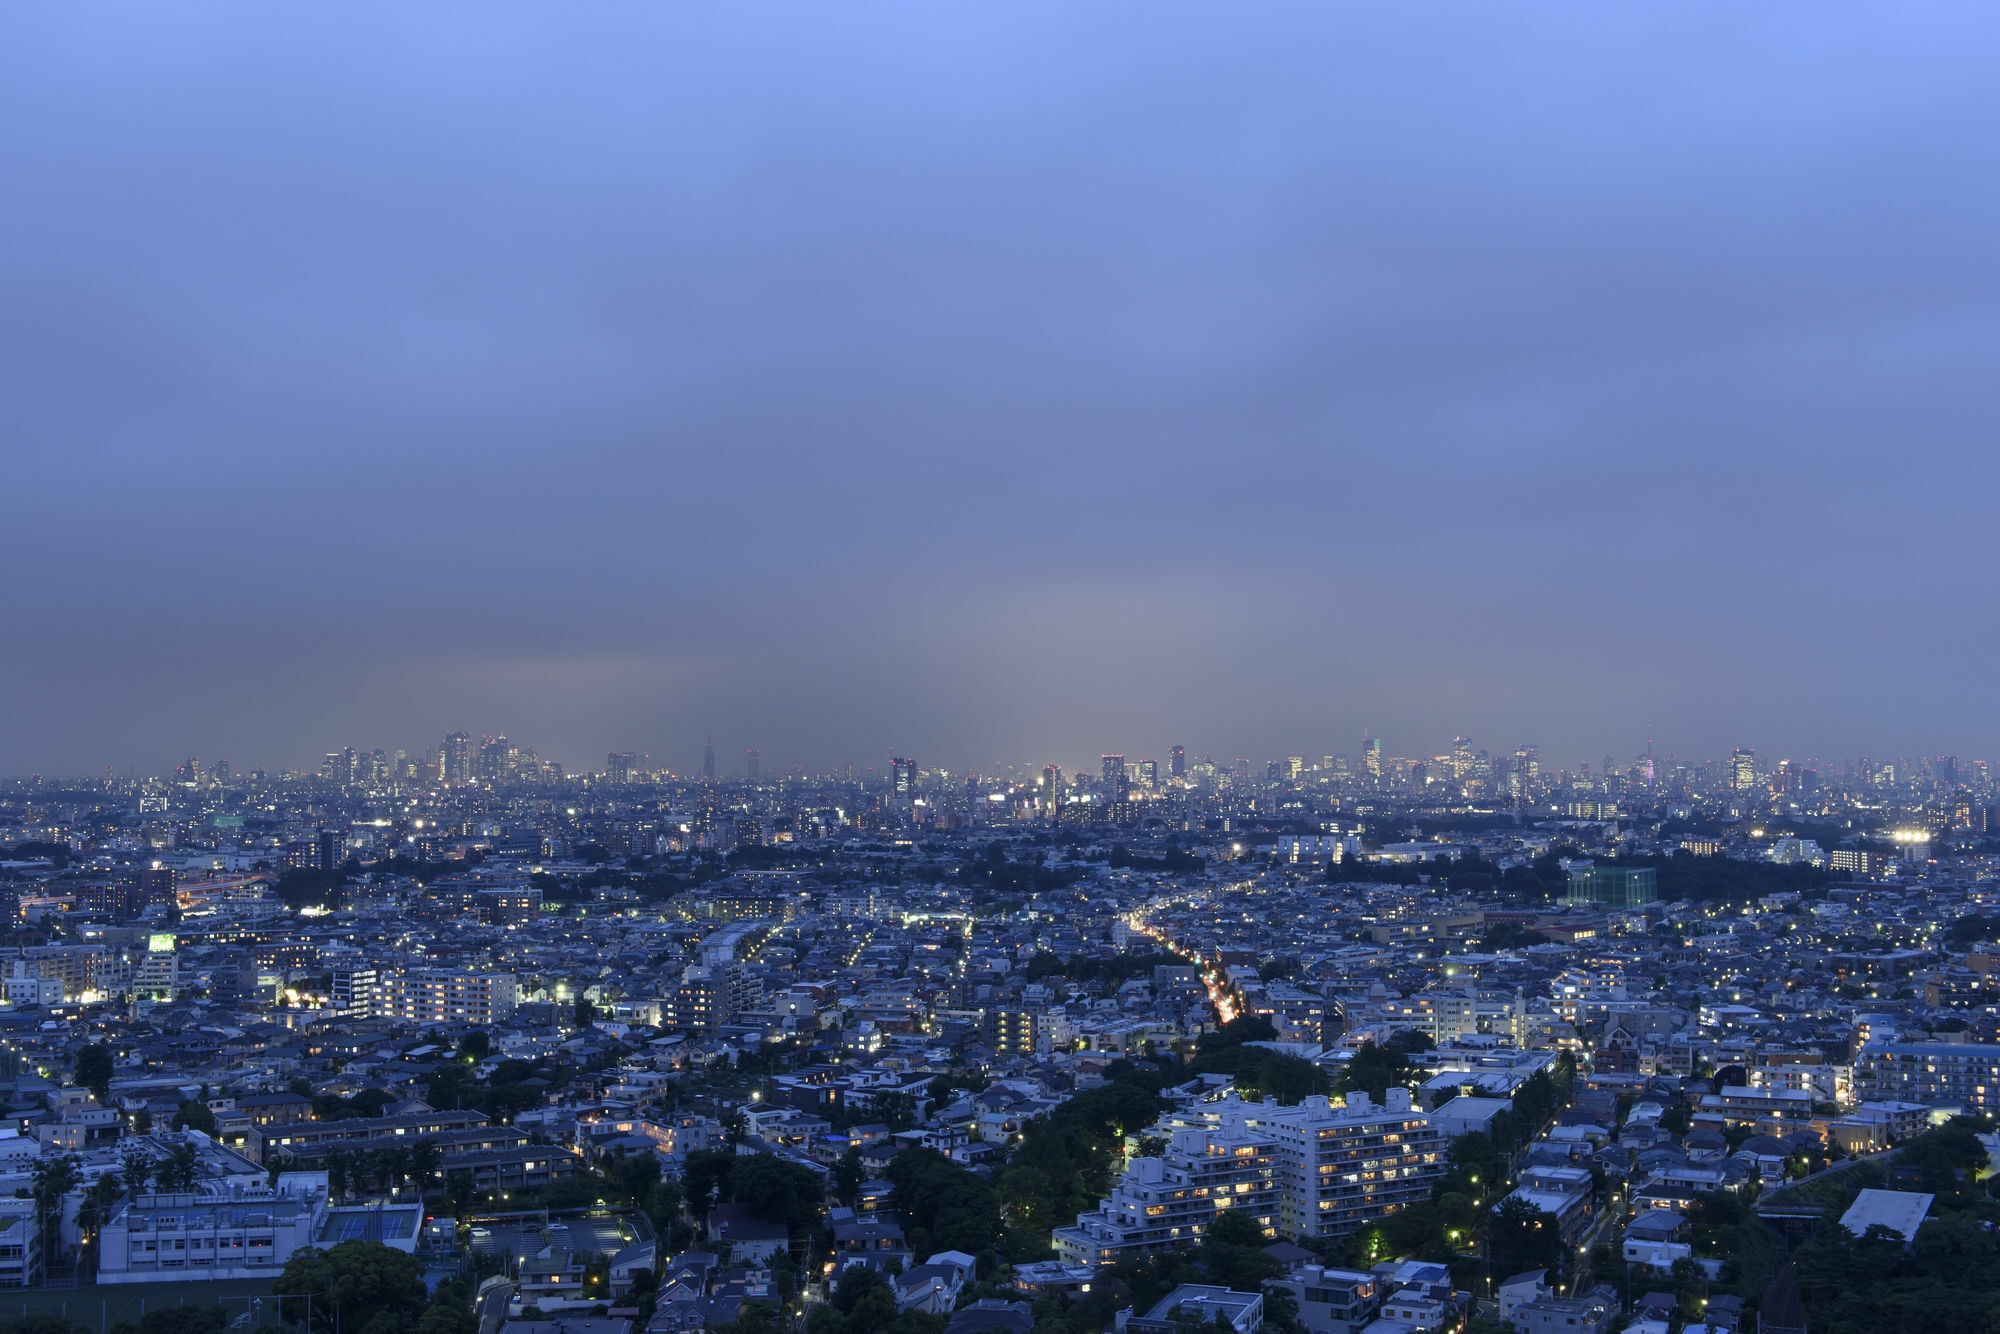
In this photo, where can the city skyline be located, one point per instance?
(996, 383)
(1129, 766)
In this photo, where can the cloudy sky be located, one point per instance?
(997, 383)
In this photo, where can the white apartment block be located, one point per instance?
(445, 996)
(1341, 1166)
(1170, 1201)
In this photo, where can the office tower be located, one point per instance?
(1116, 786)
(1371, 757)
(1149, 773)
(455, 759)
(708, 760)
(1052, 792)
(1461, 757)
(1743, 770)
(619, 766)
(222, 771)
(497, 759)
(754, 764)
(1177, 763)
(903, 778)
(1296, 767)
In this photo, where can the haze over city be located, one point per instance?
(910, 668)
(992, 385)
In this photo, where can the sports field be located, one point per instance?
(101, 1306)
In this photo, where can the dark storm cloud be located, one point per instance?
(1001, 384)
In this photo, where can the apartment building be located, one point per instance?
(1966, 1073)
(445, 996)
(1170, 1201)
(1343, 1165)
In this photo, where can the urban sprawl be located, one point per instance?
(454, 1041)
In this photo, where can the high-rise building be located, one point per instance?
(708, 760)
(1149, 773)
(1371, 757)
(1743, 770)
(620, 765)
(1177, 763)
(1116, 786)
(496, 759)
(455, 759)
(903, 778)
(754, 764)
(1052, 789)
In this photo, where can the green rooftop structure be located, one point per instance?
(1615, 886)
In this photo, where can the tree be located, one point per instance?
(476, 1044)
(97, 1205)
(50, 1178)
(424, 1160)
(180, 1171)
(195, 1116)
(93, 1070)
(780, 1191)
(706, 1174)
(450, 1310)
(1522, 1237)
(459, 1190)
(137, 1165)
(586, 1013)
(846, 1177)
(360, 1286)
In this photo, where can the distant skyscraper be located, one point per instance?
(1371, 757)
(1177, 763)
(708, 759)
(620, 765)
(755, 765)
(1116, 786)
(1052, 787)
(455, 759)
(903, 777)
(1149, 773)
(1461, 757)
(1743, 770)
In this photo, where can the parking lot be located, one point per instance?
(585, 1236)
